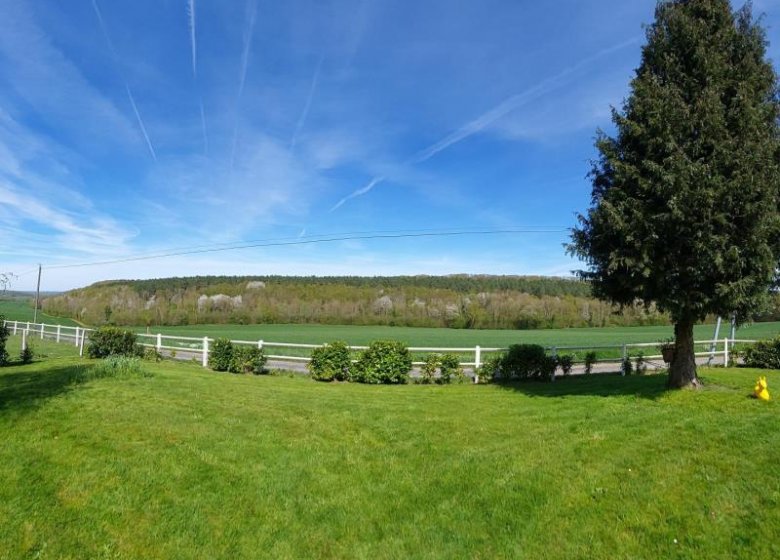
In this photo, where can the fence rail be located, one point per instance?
(188, 347)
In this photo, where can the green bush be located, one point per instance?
(566, 362)
(640, 364)
(113, 341)
(548, 367)
(221, 355)
(490, 369)
(626, 367)
(26, 355)
(525, 361)
(428, 369)
(247, 359)
(331, 362)
(590, 360)
(152, 355)
(764, 354)
(383, 362)
(4, 334)
(449, 369)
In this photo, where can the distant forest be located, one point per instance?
(458, 301)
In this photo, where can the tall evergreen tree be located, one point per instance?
(684, 208)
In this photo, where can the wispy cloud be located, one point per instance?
(307, 106)
(249, 32)
(360, 192)
(110, 44)
(515, 102)
(204, 129)
(193, 43)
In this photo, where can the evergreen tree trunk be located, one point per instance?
(682, 371)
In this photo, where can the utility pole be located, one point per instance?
(37, 296)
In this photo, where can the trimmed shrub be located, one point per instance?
(221, 355)
(449, 369)
(113, 341)
(331, 362)
(4, 334)
(152, 355)
(524, 361)
(383, 362)
(566, 362)
(764, 354)
(26, 355)
(548, 367)
(590, 360)
(247, 359)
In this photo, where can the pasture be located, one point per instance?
(189, 463)
(20, 309)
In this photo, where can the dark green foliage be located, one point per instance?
(566, 363)
(524, 361)
(548, 367)
(331, 362)
(685, 197)
(764, 354)
(112, 341)
(450, 369)
(221, 355)
(590, 360)
(26, 355)
(383, 362)
(626, 366)
(4, 334)
(247, 359)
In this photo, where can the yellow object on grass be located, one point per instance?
(761, 391)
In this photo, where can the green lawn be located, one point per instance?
(194, 464)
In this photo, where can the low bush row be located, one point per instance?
(764, 354)
(383, 362)
(226, 356)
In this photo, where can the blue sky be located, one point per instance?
(136, 127)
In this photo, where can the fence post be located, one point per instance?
(477, 357)
(260, 344)
(24, 340)
(59, 332)
(725, 352)
(28, 325)
(159, 342)
(77, 337)
(554, 352)
(42, 325)
(623, 361)
(205, 358)
(16, 324)
(81, 344)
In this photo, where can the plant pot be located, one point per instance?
(668, 353)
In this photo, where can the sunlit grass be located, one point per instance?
(193, 464)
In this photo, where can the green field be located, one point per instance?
(193, 464)
(20, 309)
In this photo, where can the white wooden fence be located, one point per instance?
(185, 347)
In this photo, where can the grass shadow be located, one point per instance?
(601, 385)
(30, 388)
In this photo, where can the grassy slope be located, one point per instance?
(192, 464)
(19, 309)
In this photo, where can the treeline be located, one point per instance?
(474, 302)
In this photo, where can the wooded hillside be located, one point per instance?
(461, 301)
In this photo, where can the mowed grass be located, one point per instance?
(194, 464)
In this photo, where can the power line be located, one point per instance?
(285, 242)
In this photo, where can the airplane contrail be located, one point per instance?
(141, 123)
(307, 106)
(193, 43)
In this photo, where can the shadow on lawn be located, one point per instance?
(23, 390)
(599, 385)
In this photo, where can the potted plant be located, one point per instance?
(667, 350)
